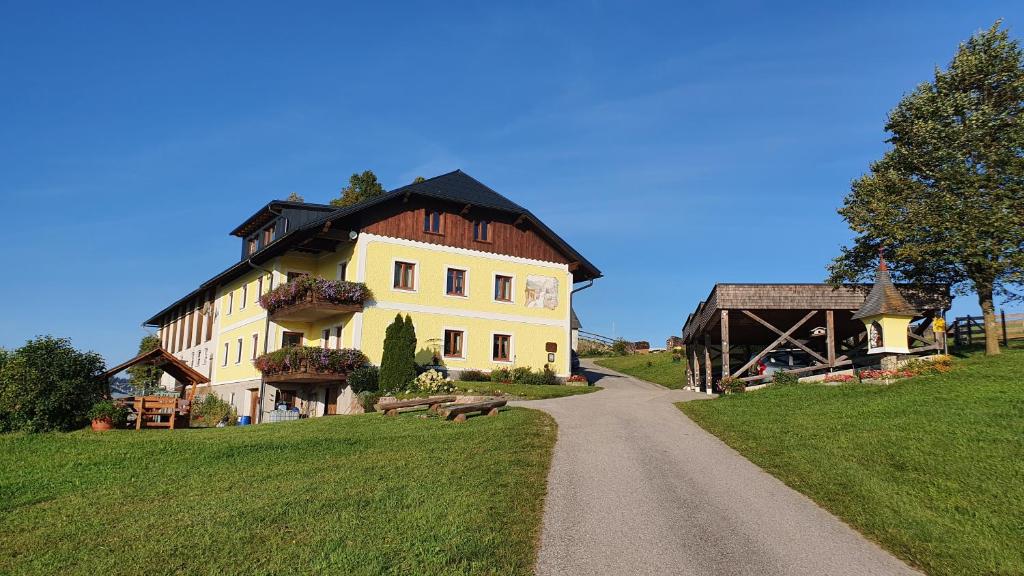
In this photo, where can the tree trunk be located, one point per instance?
(988, 312)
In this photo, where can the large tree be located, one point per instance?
(360, 187)
(946, 202)
(145, 378)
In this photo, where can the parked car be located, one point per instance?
(777, 360)
(574, 361)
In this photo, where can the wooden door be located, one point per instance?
(332, 401)
(254, 403)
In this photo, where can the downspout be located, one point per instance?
(266, 339)
(581, 288)
(266, 327)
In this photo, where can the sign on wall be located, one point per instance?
(541, 292)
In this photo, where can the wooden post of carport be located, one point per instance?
(695, 363)
(830, 338)
(726, 369)
(707, 362)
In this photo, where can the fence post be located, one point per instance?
(1006, 339)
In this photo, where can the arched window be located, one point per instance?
(875, 335)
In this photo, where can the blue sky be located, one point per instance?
(675, 146)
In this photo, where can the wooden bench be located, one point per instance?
(392, 408)
(457, 412)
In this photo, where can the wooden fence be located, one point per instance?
(966, 330)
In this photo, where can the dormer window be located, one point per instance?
(432, 221)
(268, 235)
(252, 246)
(482, 231)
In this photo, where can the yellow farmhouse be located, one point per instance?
(485, 282)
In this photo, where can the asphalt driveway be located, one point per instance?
(637, 488)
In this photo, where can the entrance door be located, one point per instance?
(254, 403)
(332, 401)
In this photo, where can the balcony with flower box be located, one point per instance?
(309, 365)
(311, 298)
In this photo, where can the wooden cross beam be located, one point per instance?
(786, 335)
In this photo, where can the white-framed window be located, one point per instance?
(504, 288)
(501, 348)
(325, 338)
(238, 356)
(454, 343)
(343, 270)
(231, 302)
(404, 279)
(337, 336)
(259, 289)
(255, 346)
(227, 351)
(456, 282)
(245, 296)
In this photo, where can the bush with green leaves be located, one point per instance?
(731, 385)
(620, 347)
(398, 362)
(525, 375)
(368, 399)
(48, 385)
(364, 379)
(783, 378)
(501, 375)
(474, 376)
(145, 378)
(107, 410)
(210, 410)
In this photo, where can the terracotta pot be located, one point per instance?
(101, 424)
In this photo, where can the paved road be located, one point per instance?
(637, 488)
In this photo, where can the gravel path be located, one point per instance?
(637, 488)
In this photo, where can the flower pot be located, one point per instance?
(101, 424)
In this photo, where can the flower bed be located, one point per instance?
(840, 378)
(885, 374)
(310, 359)
(307, 287)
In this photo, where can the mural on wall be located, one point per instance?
(541, 292)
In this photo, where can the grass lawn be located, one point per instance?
(342, 495)
(932, 467)
(525, 391)
(655, 367)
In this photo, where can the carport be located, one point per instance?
(738, 324)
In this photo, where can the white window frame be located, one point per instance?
(238, 356)
(231, 301)
(325, 338)
(512, 290)
(245, 295)
(227, 353)
(465, 282)
(415, 275)
(343, 270)
(255, 344)
(511, 348)
(338, 331)
(465, 343)
(259, 289)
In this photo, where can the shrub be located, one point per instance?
(433, 382)
(783, 378)
(212, 410)
(521, 374)
(398, 363)
(311, 358)
(368, 399)
(145, 378)
(364, 379)
(937, 365)
(730, 385)
(885, 374)
(334, 291)
(549, 377)
(48, 385)
(474, 376)
(839, 378)
(107, 410)
(501, 375)
(620, 347)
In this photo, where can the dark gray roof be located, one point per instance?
(456, 186)
(884, 297)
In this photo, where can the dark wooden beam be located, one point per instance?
(830, 337)
(773, 345)
(793, 341)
